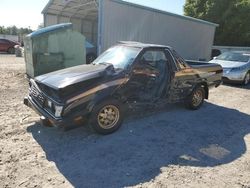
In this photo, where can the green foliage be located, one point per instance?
(233, 16)
(13, 30)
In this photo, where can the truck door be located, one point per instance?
(183, 81)
(148, 76)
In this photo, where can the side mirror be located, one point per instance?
(214, 58)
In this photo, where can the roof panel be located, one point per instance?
(165, 12)
(72, 8)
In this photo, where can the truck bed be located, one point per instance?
(194, 63)
(202, 65)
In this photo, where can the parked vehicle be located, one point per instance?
(218, 50)
(8, 46)
(90, 52)
(236, 66)
(129, 74)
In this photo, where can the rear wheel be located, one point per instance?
(196, 99)
(247, 79)
(107, 117)
(11, 50)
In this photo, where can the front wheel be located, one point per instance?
(107, 117)
(11, 50)
(196, 99)
(247, 79)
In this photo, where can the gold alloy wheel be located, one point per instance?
(197, 98)
(108, 116)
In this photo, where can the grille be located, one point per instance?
(34, 93)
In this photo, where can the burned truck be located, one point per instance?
(127, 73)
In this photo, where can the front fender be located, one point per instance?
(101, 96)
(88, 99)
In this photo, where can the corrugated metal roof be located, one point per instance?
(88, 9)
(167, 13)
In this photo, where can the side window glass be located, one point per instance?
(153, 58)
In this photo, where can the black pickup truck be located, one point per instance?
(125, 75)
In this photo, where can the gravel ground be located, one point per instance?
(174, 147)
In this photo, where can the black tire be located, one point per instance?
(247, 79)
(103, 122)
(196, 99)
(11, 50)
(90, 58)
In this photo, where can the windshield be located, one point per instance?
(234, 56)
(119, 56)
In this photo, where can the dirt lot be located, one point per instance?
(172, 148)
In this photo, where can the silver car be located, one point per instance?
(236, 66)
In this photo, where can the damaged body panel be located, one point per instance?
(128, 73)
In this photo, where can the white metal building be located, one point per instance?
(105, 22)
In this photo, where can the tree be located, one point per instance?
(233, 17)
(13, 30)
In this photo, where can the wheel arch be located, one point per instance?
(105, 95)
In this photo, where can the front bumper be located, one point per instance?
(28, 101)
(69, 121)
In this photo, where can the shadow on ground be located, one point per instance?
(135, 154)
(240, 86)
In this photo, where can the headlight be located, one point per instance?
(55, 109)
(239, 68)
(58, 110)
(49, 104)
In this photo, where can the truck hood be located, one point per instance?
(228, 64)
(65, 77)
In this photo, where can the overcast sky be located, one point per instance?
(27, 13)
